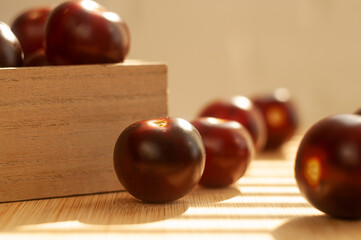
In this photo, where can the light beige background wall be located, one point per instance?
(219, 48)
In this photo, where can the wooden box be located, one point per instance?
(59, 124)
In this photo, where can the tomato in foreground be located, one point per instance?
(229, 150)
(159, 160)
(328, 166)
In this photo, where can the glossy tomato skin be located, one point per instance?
(280, 115)
(159, 160)
(11, 53)
(229, 150)
(242, 110)
(328, 166)
(84, 32)
(29, 29)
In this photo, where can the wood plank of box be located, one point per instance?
(59, 124)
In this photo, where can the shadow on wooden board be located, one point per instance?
(318, 227)
(103, 209)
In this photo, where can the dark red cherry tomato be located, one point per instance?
(229, 150)
(242, 110)
(279, 114)
(328, 166)
(11, 54)
(29, 29)
(84, 32)
(159, 160)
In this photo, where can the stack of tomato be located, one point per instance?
(75, 32)
(163, 159)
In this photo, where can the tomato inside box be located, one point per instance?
(59, 124)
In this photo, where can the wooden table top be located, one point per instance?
(264, 204)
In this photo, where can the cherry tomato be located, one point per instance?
(229, 150)
(84, 32)
(29, 29)
(328, 166)
(159, 160)
(11, 54)
(279, 114)
(242, 110)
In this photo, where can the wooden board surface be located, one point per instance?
(265, 204)
(59, 124)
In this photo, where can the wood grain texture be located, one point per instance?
(58, 125)
(264, 204)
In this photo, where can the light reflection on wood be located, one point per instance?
(259, 206)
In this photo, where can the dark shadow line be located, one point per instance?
(63, 197)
